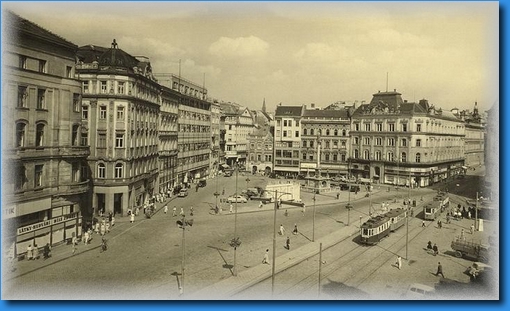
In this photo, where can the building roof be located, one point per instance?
(115, 57)
(289, 111)
(342, 113)
(20, 25)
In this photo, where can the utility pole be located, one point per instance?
(234, 270)
(274, 243)
(320, 269)
(313, 220)
(181, 288)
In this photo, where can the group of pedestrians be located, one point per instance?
(432, 248)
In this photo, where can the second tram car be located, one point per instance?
(379, 227)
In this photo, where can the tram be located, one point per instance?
(433, 209)
(379, 227)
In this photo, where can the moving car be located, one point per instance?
(237, 198)
(183, 193)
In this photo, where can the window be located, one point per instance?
(22, 97)
(40, 99)
(120, 88)
(20, 177)
(76, 102)
(335, 143)
(101, 170)
(356, 140)
(101, 140)
(85, 86)
(391, 141)
(297, 134)
(326, 156)
(120, 113)
(404, 127)
(20, 134)
(103, 87)
(356, 153)
(278, 122)
(69, 71)
(335, 157)
(367, 155)
(378, 141)
(378, 127)
(38, 176)
(311, 131)
(391, 127)
(42, 66)
(284, 122)
(284, 133)
(404, 157)
(418, 158)
(85, 112)
(74, 141)
(75, 171)
(418, 127)
(311, 144)
(335, 132)
(84, 139)
(327, 132)
(305, 132)
(343, 143)
(119, 140)
(343, 157)
(343, 132)
(378, 155)
(418, 143)
(404, 142)
(356, 126)
(39, 135)
(102, 112)
(390, 156)
(367, 127)
(119, 170)
(327, 144)
(22, 62)
(367, 140)
(290, 122)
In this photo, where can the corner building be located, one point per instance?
(120, 114)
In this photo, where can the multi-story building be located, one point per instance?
(168, 145)
(194, 130)
(475, 138)
(329, 129)
(215, 161)
(287, 140)
(239, 124)
(260, 152)
(121, 113)
(492, 155)
(44, 180)
(396, 142)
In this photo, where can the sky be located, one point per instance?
(297, 53)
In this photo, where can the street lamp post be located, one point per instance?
(313, 220)
(274, 242)
(407, 214)
(234, 270)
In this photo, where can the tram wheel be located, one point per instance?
(458, 254)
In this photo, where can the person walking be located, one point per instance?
(462, 237)
(287, 243)
(439, 269)
(30, 252)
(472, 229)
(282, 230)
(132, 219)
(429, 246)
(295, 231)
(182, 212)
(174, 211)
(399, 262)
(435, 249)
(260, 204)
(338, 196)
(113, 221)
(165, 210)
(231, 210)
(46, 251)
(266, 257)
(423, 224)
(286, 213)
(74, 242)
(36, 252)
(86, 238)
(191, 211)
(110, 216)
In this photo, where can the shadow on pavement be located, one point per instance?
(225, 265)
(339, 290)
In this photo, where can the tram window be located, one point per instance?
(365, 231)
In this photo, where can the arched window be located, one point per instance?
(343, 132)
(119, 170)
(418, 158)
(336, 132)
(356, 153)
(101, 170)
(390, 156)
(327, 132)
(39, 135)
(378, 155)
(305, 131)
(404, 157)
(366, 155)
(311, 131)
(20, 134)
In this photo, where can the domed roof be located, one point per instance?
(116, 57)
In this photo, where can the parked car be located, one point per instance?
(202, 183)
(238, 199)
(228, 174)
(344, 187)
(355, 188)
(183, 193)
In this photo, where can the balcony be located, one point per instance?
(53, 152)
(74, 188)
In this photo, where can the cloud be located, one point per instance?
(239, 47)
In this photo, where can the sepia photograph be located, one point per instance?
(195, 151)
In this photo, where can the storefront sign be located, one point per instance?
(8, 211)
(46, 223)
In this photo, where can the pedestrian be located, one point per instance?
(86, 238)
(286, 213)
(113, 221)
(472, 229)
(435, 249)
(231, 209)
(338, 195)
(282, 230)
(439, 224)
(96, 227)
(429, 245)
(107, 225)
(46, 251)
(260, 204)
(295, 231)
(132, 219)
(191, 211)
(462, 234)
(287, 243)
(174, 211)
(165, 210)
(182, 212)
(36, 252)
(399, 262)
(74, 242)
(266, 257)
(30, 252)
(439, 269)
(103, 229)
(423, 224)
